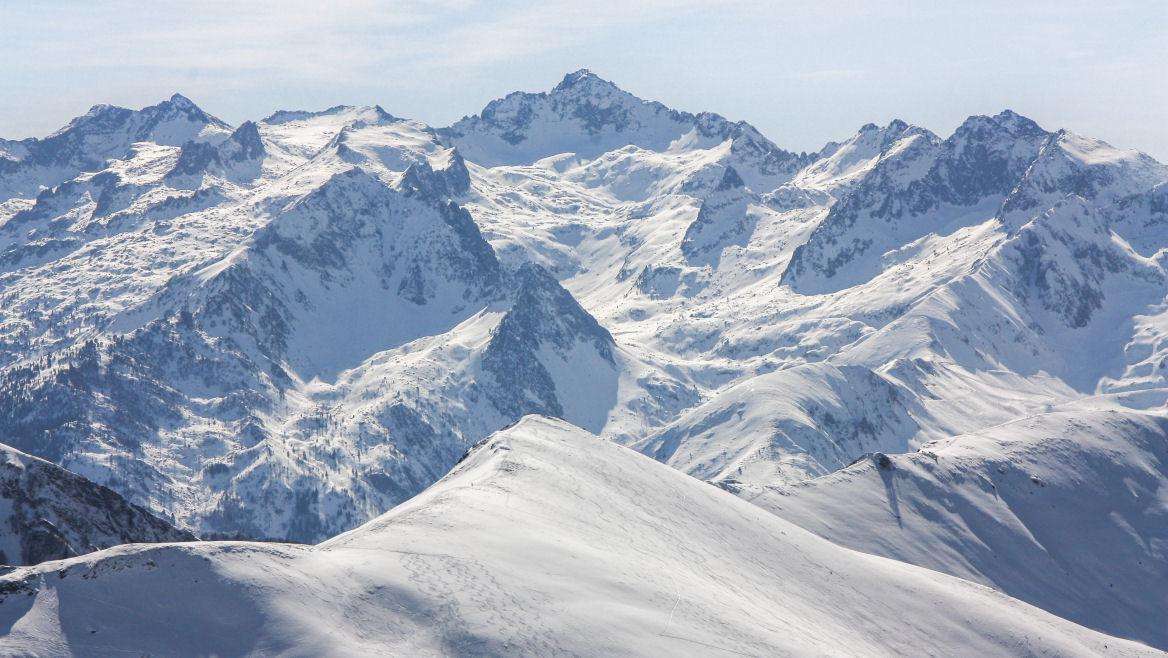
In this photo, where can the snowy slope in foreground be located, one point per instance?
(544, 540)
(1067, 510)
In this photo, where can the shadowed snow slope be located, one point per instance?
(543, 540)
(1067, 510)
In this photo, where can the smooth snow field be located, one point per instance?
(545, 540)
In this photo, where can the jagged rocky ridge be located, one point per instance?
(52, 514)
(103, 133)
(588, 116)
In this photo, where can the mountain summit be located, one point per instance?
(587, 115)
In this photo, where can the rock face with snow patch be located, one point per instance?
(351, 268)
(724, 218)
(919, 183)
(197, 157)
(52, 514)
(1064, 257)
(546, 336)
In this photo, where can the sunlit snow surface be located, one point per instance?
(545, 540)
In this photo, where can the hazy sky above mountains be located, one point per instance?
(804, 73)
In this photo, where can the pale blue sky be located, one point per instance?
(803, 72)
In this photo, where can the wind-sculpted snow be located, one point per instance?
(543, 540)
(1065, 510)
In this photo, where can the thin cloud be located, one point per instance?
(828, 74)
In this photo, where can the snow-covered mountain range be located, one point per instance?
(283, 329)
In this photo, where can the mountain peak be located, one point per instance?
(545, 310)
(1007, 121)
(183, 105)
(366, 113)
(247, 136)
(537, 341)
(587, 88)
(178, 100)
(578, 77)
(247, 131)
(894, 127)
(244, 144)
(1010, 117)
(101, 108)
(588, 115)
